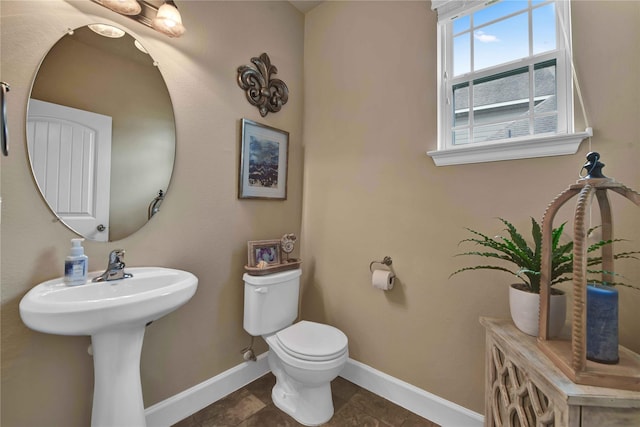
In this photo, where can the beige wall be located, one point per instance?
(370, 190)
(203, 227)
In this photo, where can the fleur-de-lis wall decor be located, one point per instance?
(268, 94)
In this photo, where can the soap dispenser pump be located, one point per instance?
(76, 264)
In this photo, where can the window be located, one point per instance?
(505, 81)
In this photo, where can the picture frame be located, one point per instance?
(263, 250)
(264, 155)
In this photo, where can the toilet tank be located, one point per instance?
(270, 301)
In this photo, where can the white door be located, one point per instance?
(70, 152)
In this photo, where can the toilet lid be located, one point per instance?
(312, 341)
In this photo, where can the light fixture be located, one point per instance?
(139, 46)
(165, 19)
(107, 30)
(168, 20)
(124, 7)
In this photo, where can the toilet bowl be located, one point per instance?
(304, 356)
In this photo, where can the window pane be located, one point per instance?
(461, 24)
(502, 97)
(504, 130)
(461, 105)
(545, 100)
(462, 54)
(545, 78)
(461, 137)
(545, 93)
(506, 112)
(498, 10)
(501, 42)
(545, 124)
(544, 29)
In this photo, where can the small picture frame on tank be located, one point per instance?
(263, 251)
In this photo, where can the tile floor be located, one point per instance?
(251, 406)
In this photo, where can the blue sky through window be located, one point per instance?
(498, 10)
(505, 40)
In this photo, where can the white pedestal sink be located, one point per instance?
(114, 314)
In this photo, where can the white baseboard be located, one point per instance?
(423, 403)
(190, 401)
(414, 399)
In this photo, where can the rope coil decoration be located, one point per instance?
(579, 277)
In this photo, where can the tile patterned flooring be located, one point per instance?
(251, 406)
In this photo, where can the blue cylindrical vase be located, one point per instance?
(602, 324)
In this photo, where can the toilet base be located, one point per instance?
(310, 406)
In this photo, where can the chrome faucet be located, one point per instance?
(115, 269)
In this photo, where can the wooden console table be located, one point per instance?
(524, 388)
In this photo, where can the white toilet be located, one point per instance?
(304, 357)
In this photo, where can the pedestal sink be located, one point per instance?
(114, 314)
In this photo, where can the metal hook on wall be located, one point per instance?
(4, 130)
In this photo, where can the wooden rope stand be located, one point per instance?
(571, 355)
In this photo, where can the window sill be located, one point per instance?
(541, 146)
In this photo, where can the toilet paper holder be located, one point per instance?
(386, 261)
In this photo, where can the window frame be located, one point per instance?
(563, 141)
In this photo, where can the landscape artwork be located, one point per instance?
(263, 162)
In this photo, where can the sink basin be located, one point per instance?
(152, 292)
(115, 314)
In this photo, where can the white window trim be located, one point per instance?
(531, 146)
(512, 149)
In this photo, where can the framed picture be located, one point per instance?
(263, 250)
(263, 162)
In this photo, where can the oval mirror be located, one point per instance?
(101, 133)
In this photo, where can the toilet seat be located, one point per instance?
(305, 365)
(312, 341)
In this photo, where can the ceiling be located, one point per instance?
(305, 5)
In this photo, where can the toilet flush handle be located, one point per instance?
(262, 290)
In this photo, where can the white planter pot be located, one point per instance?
(525, 309)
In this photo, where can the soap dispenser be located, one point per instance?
(76, 264)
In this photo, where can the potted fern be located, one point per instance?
(524, 300)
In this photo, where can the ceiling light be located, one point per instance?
(168, 20)
(125, 7)
(107, 30)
